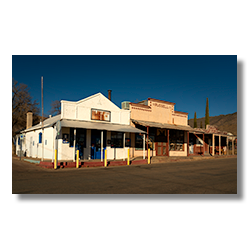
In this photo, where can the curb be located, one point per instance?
(32, 161)
(50, 165)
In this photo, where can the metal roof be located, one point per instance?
(85, 124)
(100, 126)
(46, 123)
(164, 125)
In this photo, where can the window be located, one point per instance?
(40, 137)
(116, 140)
(80, 137)
(139, 142)
(176, 140)
(71, 137)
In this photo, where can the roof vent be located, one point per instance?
(125, 105)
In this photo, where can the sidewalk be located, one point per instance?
(82, 163)
(162, 159)
(133, 161)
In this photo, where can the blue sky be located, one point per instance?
(184, 80)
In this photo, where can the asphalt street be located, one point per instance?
(215, 176)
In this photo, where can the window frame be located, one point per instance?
(176, 140)
(115, 141)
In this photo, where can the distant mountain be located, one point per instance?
(223, 122)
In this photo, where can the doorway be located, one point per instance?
(96, 143)
(81, 141)
(161, 148)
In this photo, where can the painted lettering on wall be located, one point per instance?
(159, 105)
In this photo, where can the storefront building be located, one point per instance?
(96, 124)
(90, 125)
(167, 129)
(215, 142)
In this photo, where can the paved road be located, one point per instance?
(215, 176)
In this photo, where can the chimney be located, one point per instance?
(109, 94)
(29, 120)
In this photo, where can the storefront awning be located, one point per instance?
(100, 126)
(164, 125)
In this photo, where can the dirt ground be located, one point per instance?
(214, 176)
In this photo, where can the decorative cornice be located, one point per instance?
(156, 100)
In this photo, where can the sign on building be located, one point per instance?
(100, 115)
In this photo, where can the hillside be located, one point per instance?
(223, 122)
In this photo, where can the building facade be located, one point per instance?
(95, 124)
(90, 125)
(167, 129)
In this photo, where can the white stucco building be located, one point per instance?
(90, 125)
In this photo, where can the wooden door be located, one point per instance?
(161, 148)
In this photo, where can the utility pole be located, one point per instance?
(42, 121)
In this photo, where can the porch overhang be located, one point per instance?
(164, 125)
(100, 126)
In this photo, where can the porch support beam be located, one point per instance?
(219, 145)
(124, 135)
(74, 150)
(213, 145)
(167, 142)
(187, 143)
(144, 137)
(102, 145)
(233, 146)
(203, 138)
(227, 146)
(147, 139)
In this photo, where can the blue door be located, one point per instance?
(96, 144)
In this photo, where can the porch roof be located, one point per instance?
(49, 122)
(164, 125)
(100, 126)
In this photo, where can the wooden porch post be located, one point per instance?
(168, 142)
(147, 139)
(187, 143)
(102, 145)
(203, 138)
(232, 145)
(227, 145)
(144, 146)
(213, 146)
(219, 145)
(74, 145)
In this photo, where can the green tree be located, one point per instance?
(195, 120)
(201, 124)
(207, 115)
